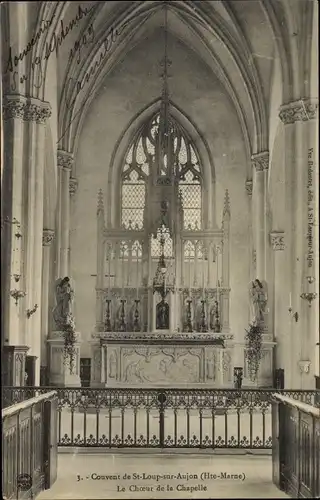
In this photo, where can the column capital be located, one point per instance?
(249, 184)
(301, 110)
(47, 237)
(65, 159)
(277, 240)
(304, 366)
(73, 185)
(26, 108)
(260, 161)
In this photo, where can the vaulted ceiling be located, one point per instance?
(238, 40)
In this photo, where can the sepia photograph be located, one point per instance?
(160, 249)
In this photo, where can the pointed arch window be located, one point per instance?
(141, 163)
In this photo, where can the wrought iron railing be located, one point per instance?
(162, 418)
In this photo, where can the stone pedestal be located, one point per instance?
(59, 367)
(265, 373)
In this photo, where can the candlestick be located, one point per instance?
(189, 324)
(122, 326)
(136, 323)
(217, 256)
(108, 322)
(290, 300)
(203, 324)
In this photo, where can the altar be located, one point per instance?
(160, 360)
(163, 292)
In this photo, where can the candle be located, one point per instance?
(137, 272)
(123, 273)
(109, 270)
(290, 300)
(189, 273)
(217, 268)
(203, 277)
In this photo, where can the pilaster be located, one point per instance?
(252, 273)
(24, 125)
(47, 239)
(260, 163)
(280, 305)
(65, 162)
(300, 122)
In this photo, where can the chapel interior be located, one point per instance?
(159, 194)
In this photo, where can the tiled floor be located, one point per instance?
(162, 475)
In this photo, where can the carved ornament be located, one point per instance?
(73, 185)
(47, 237)
(260, 161)
(119, 336)
(277, 240)
(65, 159)
(26, 109)
(304, 366)
(297, 111)
(249, 187)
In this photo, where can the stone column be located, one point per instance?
(300, 141)
(252, 276)
(47, 238)
(65, 161)
(281, 305)
(261, 164)
(23, 202)
(224, 301)
(73, 186)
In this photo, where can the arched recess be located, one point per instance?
(127, 137)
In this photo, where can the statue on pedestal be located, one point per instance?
(258, 297)
(162, 315)
(62, 313)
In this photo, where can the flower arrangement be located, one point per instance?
(254, 349)
(69, 335)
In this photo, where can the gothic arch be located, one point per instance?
(127, 138)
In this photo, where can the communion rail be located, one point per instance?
(162, 418)
(29, 446)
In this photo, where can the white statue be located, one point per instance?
(62, 313)
(258, 300)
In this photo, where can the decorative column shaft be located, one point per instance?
(301, 141)
(281, 305)
(47, 238)
(252, 272)
(101, 258)
(29, 203)
(225, 263)
(14, 108)
(261, 164)
(65, 162)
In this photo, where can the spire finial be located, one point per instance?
(100, 202)
(226, 208)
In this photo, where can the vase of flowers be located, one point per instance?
(254, 349)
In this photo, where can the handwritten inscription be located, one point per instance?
(310, 235)
(51, 47)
